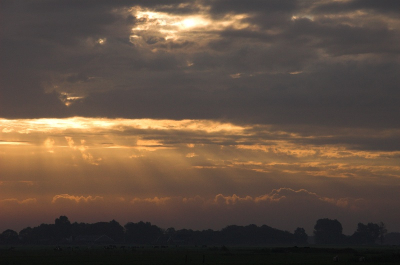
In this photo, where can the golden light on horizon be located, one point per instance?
(198, 143)
(26, 126)
(13, 143)
(91, 162)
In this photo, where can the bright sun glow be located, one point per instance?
(153, 27)
(192, 22)
(188, 23)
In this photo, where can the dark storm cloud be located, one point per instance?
(237, 6)
(349, 95)
(266, 14)
(384, 6)
(282, 63)
(38, 37)
(35, 36)
(341, 39)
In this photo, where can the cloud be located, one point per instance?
(288, 195)
(253, 6)
(276, 196)
(154, 200)
(341, 58)
(77, 199)
(385, 6)
(86, 156)
(16, 201)
(272, 208)
(229, 200)
(315, 151)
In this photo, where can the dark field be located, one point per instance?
(196, 255)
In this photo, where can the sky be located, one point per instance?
(200, 114)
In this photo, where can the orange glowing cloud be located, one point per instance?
(16, 201)
(76, 199)
(275, 197)
(154, 200)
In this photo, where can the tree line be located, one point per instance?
(326, 231)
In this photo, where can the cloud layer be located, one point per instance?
(314, 62)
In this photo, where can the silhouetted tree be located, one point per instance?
(115, 231)
(142, 233)
(234, 234)
(44, 233)
(62, 221)
(79, 229)
(275, 236)
(185, 236)
(365, 234)
(170, 231)
(382, 232)
(111, 229)
(300, 236)
(209, 236)
(9, 237)
(327, 231)
(27, 236)
(62, 227)
(252, 235)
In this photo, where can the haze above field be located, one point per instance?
(200, 114)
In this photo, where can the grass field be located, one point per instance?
(98, 255)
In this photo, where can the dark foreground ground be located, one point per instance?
(100, 255)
